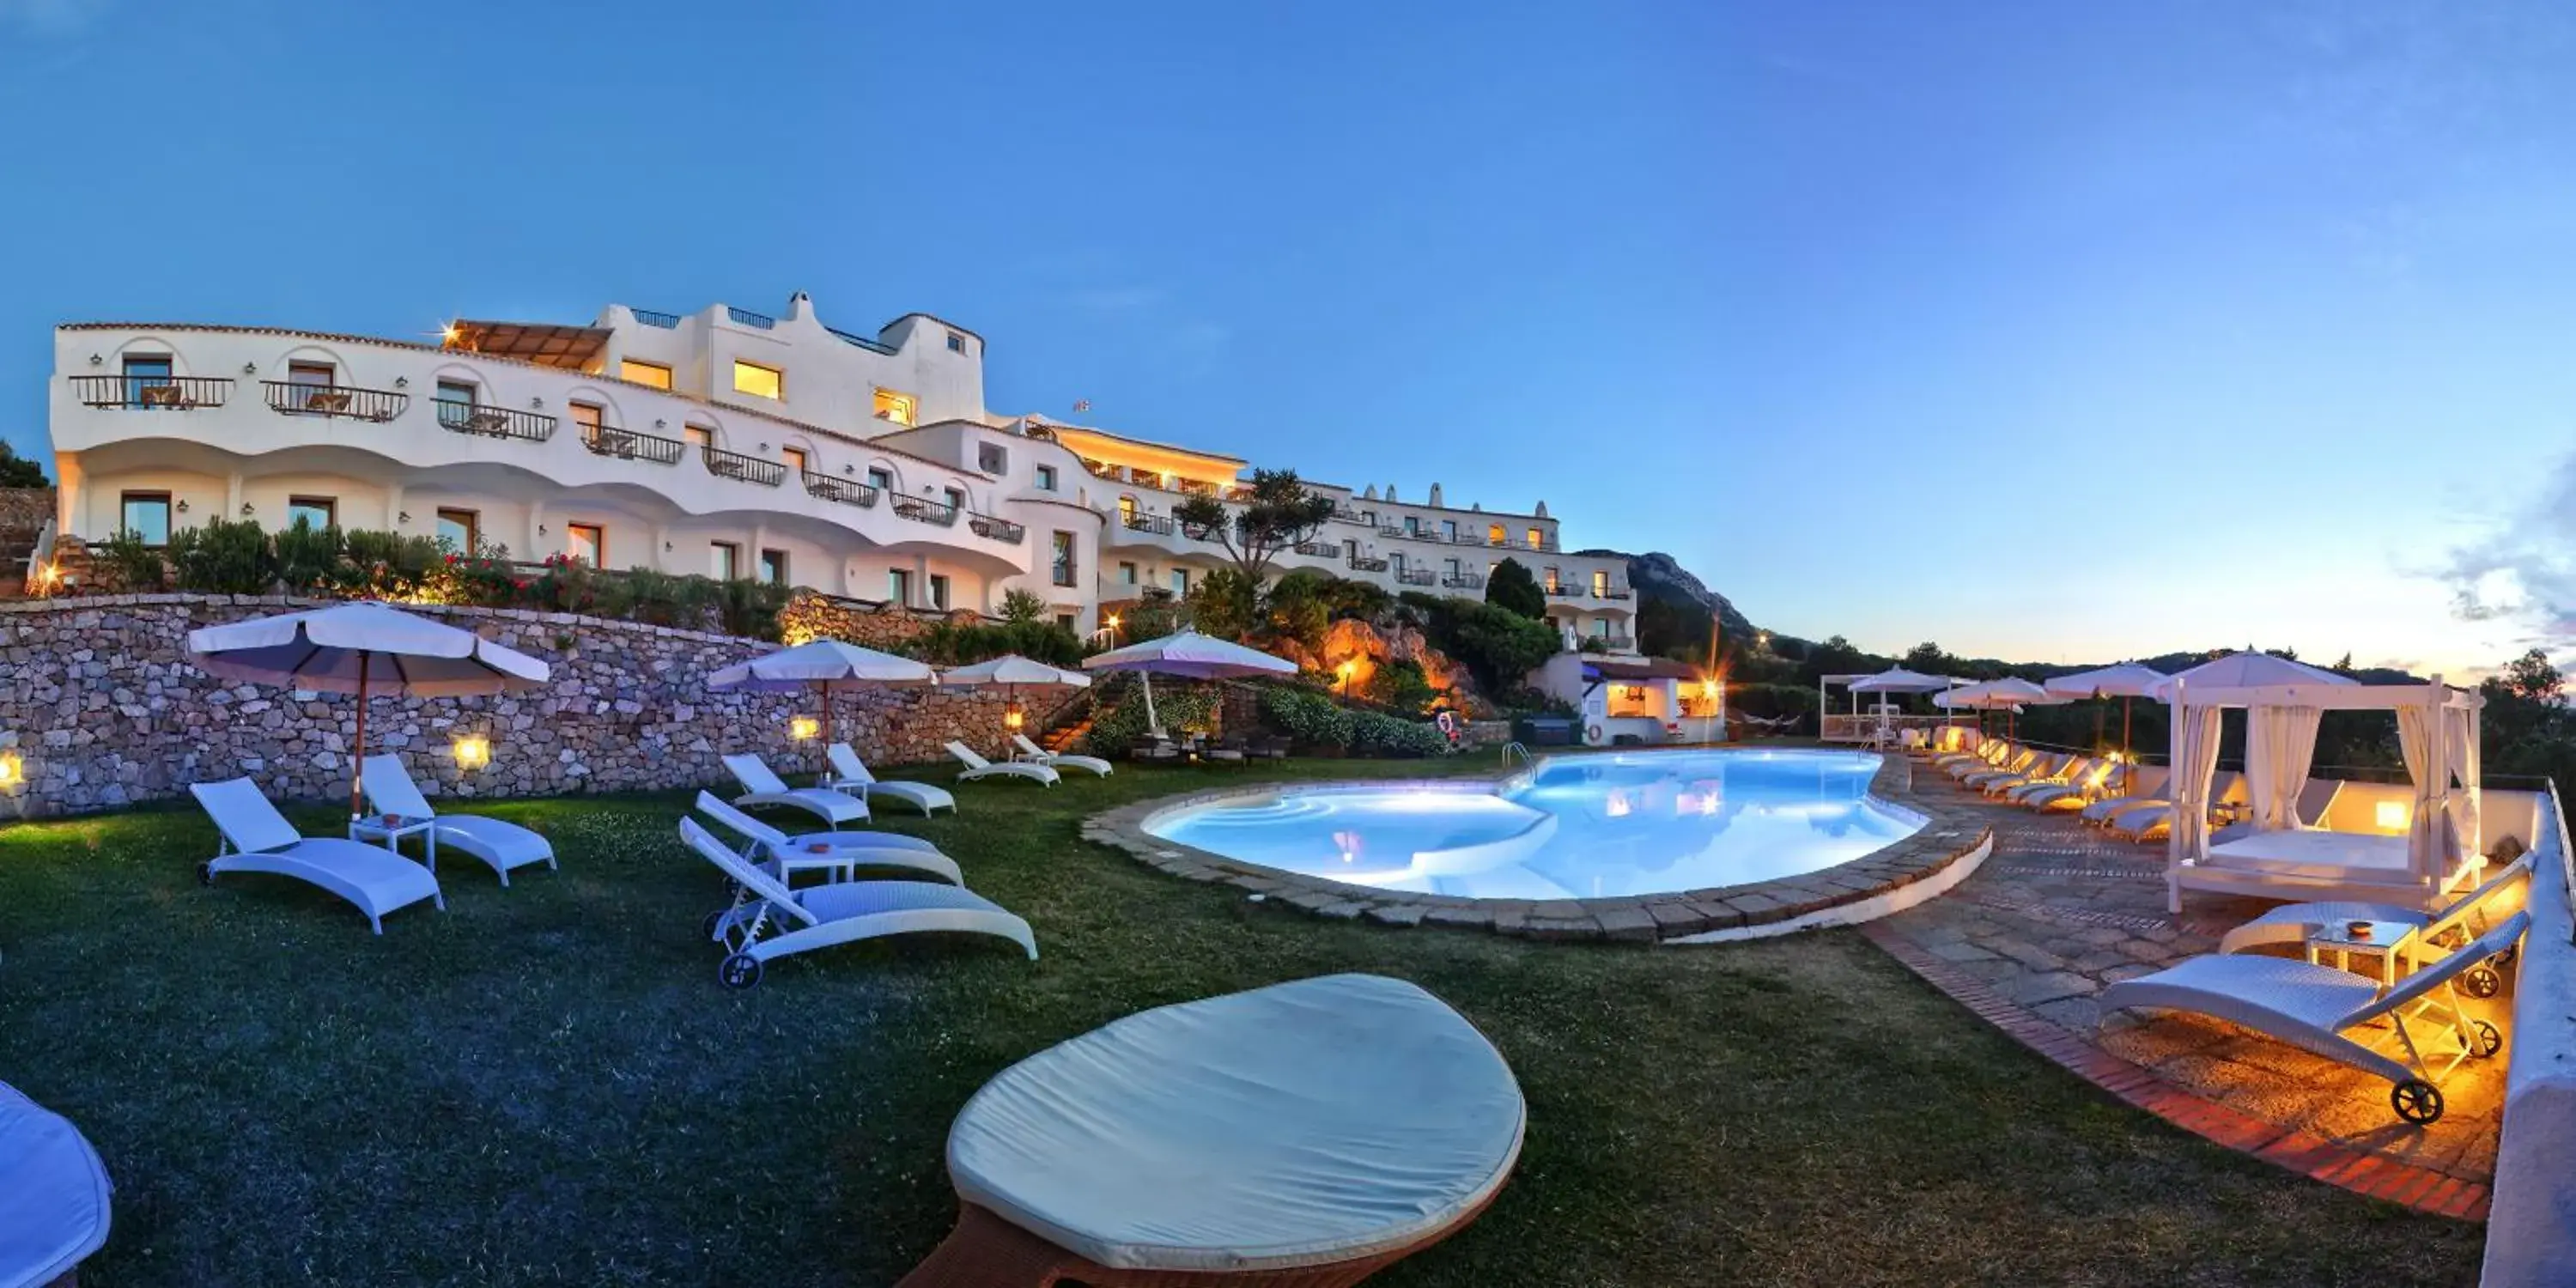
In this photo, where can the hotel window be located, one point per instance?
(1127, 510)
(147, 516)
(311, 373)
(653, 374)
(1180, 581)
(698, 435)
(758, 381)
(1494, 535)
(147, 372)
(881, 479)
(460, 530)
(1535, 539)
(797, 460)
(895, 407)
(1064, 620)
(1449, 530)
(992, 459)
(315, 512)
(773, 567)
(1551, 583)
(1600, 583)
(1060, 561)
(455, 402)
(956, 499)
(1126, 574)
(939, 590)
(587, 417)
(899, 586)
(587, 542)
(1412, 525)
(956, 343)
(1600, 628)
(1046, 478)
(724, 560)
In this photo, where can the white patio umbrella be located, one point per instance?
(1190, 655)
(820, 664)
(2245, 671)
(365, 649)
(2126, 681)
(1013, 672)
(1897, 679)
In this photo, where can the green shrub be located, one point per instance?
(224, 557)
(567, 586)
(1114, 731)
(1401, 684)
(1510, 586)
(1224, 604)
(1375, 733)
(1498, 646)
(657, 598)
(134, 565)
(1521, 699)
(749, 608)
(949, 644)
(1308, 717)
(386, 564)
(1020, 605)
(1363, 601)
(309, 558)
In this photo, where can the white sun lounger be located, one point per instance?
(501, 845)
(843, 912)
(2143, 786)
(760, 786)
(2030, 766)
(2437, 933)
(849, 773)
(2069, 794)
(2312, 1007)
(2055, 773)
(256, 838)
(978, 767)
(1985, 760)
(53, 1194)
(1031, 753)
(838, 853)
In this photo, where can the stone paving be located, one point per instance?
(2060, 910)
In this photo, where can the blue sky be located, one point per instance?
(2043, 330)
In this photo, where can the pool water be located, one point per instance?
(1576, 828)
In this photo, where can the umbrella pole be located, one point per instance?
(2128, 753)
(1153, 723)
(357, 766)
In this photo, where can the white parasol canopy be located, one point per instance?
(2125, 681)
(1897, 679)
(2246, 671)
(1013, 669)
(367, 649)
(1188, 654)
(820, 664)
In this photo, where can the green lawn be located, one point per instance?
(547, 1084)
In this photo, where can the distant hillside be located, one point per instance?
(1658, 576)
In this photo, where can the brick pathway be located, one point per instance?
(2061, 910)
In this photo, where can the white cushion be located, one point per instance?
(1296, 1125)
(53, 1193)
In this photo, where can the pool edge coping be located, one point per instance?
(1951, 832)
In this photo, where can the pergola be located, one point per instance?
(2284, 858)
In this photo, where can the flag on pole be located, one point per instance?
(1081, 405)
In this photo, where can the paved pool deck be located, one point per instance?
(2060, 910)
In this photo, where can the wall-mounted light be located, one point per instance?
(12, 770)
(246, 509)
(97, 361)
(661, 424)
(404, 517)
(402, 382)
(473, 751)
(536, 402)
(764, 447)
(541, 529)
(804, 728)
(250, 368)
(182, 507)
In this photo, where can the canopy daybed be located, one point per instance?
(2279, 856)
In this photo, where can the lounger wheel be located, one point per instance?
(742, 970)
(707, 928)
(2417, 1101)
(2481, 980)
(205, 874)
(2482, 1040)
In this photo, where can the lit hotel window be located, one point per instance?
(895, 407)
(756, 380)
(644, 373)
(586, 542)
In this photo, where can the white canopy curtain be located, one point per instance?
(2422, 740)
(2280, 743)
(2460, 731)
(2194, 753)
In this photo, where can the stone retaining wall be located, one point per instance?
(25, 508)
(1951, 833)
(102, 708)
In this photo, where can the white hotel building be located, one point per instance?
(724, 442)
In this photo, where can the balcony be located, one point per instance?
(1320, 549)
(746, 317)
(666, 321)
(1618, 643)
(1391, 530)
(999, 529)
(1418, 577)
(735, 465)
(628, 445)
(1463, 581)
(152, 393)
(1361, 564)
(295, 398)
(1565, 592)
(921, 509)
(1158, 524)
(832, 487)
(495, 422)
(1617, 592)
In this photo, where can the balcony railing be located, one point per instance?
(1362, 564)
(921, 509)
(1565, 592)
(1618, 643)
(999, 529)
(1463, 581)
(495, 422)
(1392, 530)
(630, 445)
(666, 321)
(748, 318)
(1618, 592)
(735, 465)
(1158, 524)
(153, 393)
(1320, 549)
(1418, 577)
(294, 398)
(832, 487)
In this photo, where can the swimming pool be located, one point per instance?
(1576, 828)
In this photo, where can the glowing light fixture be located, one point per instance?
(1113, 621)
(2391, 815)
(473, 751)
(12, 771)
(804, 728)
(1014, 715)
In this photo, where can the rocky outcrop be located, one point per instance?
(102, 708)
(1368, 647)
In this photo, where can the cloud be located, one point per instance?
(2522, 571)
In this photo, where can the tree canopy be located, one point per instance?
(1511, 586)
(1276, 514)
(18, 471)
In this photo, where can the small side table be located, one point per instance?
(2385, 941)
(373, 828)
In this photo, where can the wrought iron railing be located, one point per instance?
(832, 487)
(995, 527)
(294, 398)
(1565, 592)
(495, 422)
(1364, 564)
(1418, 577)
(1616, 592)
(1464, 581)
(748, 318)
(921, 509)
(666, 321)
(1158, 524)
(1618, 643)
(1320, 549)
(735, 465)
(632, 445)
(152, 393)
